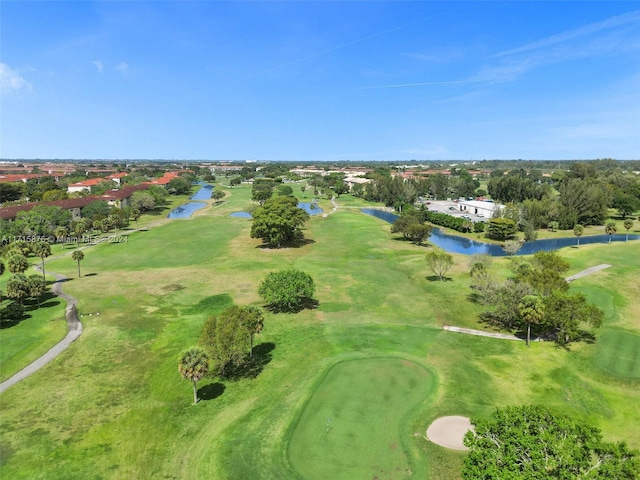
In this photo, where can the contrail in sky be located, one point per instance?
(421, 84)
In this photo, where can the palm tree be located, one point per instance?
(1, 273)
(578, 230)
(531, 310)
(42, 250)
(17, 263)
(135, 214)
(628, 224)
(253, 322)
(610, 229)
(194, 365)
(78, 255)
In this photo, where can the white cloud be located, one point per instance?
(576, 33)
(123, 68)
(99, 65)
(11, 80)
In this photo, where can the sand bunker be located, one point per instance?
(449, 431)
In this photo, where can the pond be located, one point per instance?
(186, 210)
(467, 246)
(311, 208)
(241, 215)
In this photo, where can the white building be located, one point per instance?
(479, 208)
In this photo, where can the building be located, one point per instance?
(479, 208)
(85, 185)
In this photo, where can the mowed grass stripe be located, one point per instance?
(351, 426)
(619, 353)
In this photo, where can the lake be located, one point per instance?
(466, 246)
(310, 208)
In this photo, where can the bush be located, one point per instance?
(287, 290)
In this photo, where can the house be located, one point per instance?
(117, 177)
(122, 198)
(85, 185)
(20, 177)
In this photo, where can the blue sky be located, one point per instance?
(320, 81)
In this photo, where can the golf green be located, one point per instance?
(355, 423)
(619, 353)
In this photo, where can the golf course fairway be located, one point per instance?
(353, 426)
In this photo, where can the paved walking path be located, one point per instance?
(74, 330)
(481, 333)
(587, 271)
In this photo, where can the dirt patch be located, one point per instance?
(449, 431)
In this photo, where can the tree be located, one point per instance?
(253, 323)
(439, 263)
(418, 233)
(532, 441)
(578, 230)
(1, 273)
(262, 191)
(545, 274)
(135, 215)
(225, 339)
(42, 250)
(194, 365)
(17, 263)
(96, 210)
(501, 229)
(287, 290)
(285, 190)
(553, 225)
(531, 311)
(218, 195)
(278, 221)
(511, 247)
(37, 287)
(17, 287)
(21, 246)
(303, 189)
(412, 228)
(11, 191)
(179, 186)
(235, 181)
(566, 315)
(142, 201)
(628, 224)
(78, 255)
(625, 203)
(610, 229)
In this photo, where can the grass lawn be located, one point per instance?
(354, 424)
(114, 405)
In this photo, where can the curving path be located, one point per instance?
(74, 330)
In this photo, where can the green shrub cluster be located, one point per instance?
(449, 221)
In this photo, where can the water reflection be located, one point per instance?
(467, 246)
(241, 215)
(186, 210)
(311, 208)
(204, 193)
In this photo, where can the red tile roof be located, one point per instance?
(20, 177)
(88, 183)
